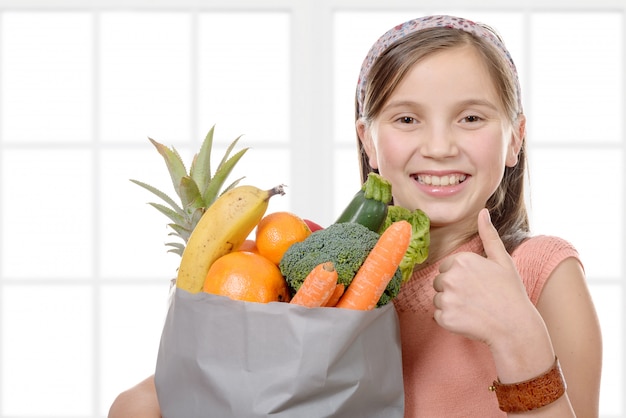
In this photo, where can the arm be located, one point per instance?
(140, 401)
(483, 298)
(566, 326)
(570, 317)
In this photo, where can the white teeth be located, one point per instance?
(449, 180)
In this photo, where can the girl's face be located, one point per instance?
(443, 139)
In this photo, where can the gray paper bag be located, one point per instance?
(224, 358)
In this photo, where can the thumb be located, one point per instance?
(493, 245)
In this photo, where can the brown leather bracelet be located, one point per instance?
(533, 393)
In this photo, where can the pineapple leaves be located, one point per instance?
(162, 195)
(221, 174)
(200, 170)
(180, 231)
(232, 185)
(169, 213)
(228, 151)
(197, 189)
(177, 248)
(190, 194)
(196, 215)
(174, 163)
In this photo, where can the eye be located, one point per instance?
(471, 118)
(406, 120)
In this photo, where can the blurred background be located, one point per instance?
(84, 273)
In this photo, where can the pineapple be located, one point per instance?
(196, 189)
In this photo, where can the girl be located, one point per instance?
(496, 322)
(439, 114)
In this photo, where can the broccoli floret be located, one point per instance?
(346, 244)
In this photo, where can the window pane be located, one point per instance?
(243, 75)
(131, 318)
(47, 350)
(46, 76)
(566, 187)
(576, 72)
(133, 233)
(47, 213)
(265, 169)
(347, 181)
(145, 76)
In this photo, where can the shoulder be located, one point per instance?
(140, 401)
(546, 245)
(537, 257)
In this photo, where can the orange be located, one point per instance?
(248, 245)
(277, 231)
(247, 276)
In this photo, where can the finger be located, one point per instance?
(446, 264)
(437, 316)
(436, 300)
(437, 285)
(493, 245)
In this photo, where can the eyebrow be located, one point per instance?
(478, 102)
(464, 103)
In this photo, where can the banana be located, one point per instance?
(223, 227)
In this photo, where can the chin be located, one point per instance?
(440, 216)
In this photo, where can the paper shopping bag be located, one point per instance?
(224, 358)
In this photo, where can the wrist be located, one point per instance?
(524, 351)
(533, 393)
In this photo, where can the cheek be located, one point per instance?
(490, 158)
(392, 153)
(494, 155)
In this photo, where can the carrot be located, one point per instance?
(381, 264)
(317, 287)
(334, 297)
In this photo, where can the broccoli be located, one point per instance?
(346, 244)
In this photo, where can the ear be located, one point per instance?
(365, 137)
(518, 136)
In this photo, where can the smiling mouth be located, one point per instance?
(449, 180)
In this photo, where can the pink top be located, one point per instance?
(446, 375)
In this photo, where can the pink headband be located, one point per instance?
(428, 22)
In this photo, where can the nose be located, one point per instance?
(439, 142)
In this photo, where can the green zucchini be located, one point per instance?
(369, 205)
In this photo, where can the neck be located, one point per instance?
(446, 239)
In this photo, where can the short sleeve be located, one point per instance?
(537, 257)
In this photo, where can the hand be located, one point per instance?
(480, 297)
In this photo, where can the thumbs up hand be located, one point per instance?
(480, 297)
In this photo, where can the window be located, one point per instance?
(84, 274)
